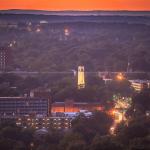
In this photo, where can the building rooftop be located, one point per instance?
(21, 98)
(77, 103)
(140, 81)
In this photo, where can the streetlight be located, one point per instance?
(120, 77)
(31, 145)
(66, 32)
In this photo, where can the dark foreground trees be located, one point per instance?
(105, 143)
(86, 134)
(89, 127)
(135, 135)
(15, 138)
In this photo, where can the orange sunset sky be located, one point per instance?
(76, 4)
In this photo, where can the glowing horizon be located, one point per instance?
(82, 5)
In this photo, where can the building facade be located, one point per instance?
(139, 85)
(23, 106)
(72, 107)
(5, 58)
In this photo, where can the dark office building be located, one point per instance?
(5, 58)
(23, 106)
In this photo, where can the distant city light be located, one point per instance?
(66, 32)
(38, 30)
(112, 129)
(10, 45)
(120, 76)
(13, 43)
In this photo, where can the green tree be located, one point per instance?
(104, 143)
(71, 141)
(140, 144)
(140, 103)
(136, 128)
(98, 123)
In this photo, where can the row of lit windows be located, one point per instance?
(37, 125)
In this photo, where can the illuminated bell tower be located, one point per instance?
(81, 77)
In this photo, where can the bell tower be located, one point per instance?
(81, 77)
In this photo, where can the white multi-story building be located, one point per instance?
(139, 85)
